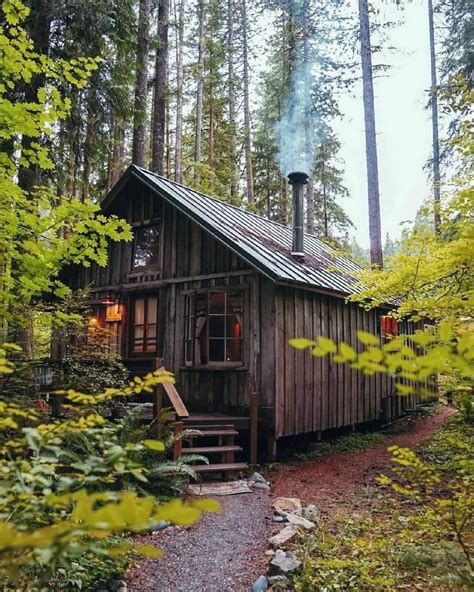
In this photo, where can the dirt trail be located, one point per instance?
(335, 479)
(225, 552)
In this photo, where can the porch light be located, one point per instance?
(107, 301)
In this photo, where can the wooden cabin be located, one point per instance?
(216, 292)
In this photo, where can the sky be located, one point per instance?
(403, 130)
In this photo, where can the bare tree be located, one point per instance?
(247, 114)
(434, 120)
(141, 86)
(375, 232)
(161, 89)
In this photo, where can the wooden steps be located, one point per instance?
(215, 439)
(220, 468)
(211, 449)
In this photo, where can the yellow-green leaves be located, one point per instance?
(155, 445)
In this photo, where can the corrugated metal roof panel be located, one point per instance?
(264, 244)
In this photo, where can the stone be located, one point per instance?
(260, 486)
(300, 521)
(278, 581)
(257, 478)
(260, 584)
(283, 563)
(283, 505)
(311, 512)
(118, 586)
(159, 526)
(279, 518)
(286, 534)
(270, 553)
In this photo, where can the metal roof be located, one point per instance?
(262, 243)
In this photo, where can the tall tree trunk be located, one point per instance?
(117, 151)
(308, 118)
(375, 232)
(199, 94)
(141, 85)
(86, 170)
(247, 114)
(38, 26)
(178, 156)
(161, 80)
(434, 121)
(231, 96)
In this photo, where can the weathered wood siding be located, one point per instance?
(190, 260)
(313, 393)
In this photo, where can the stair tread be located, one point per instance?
(220, 467)
(218, 433)
(202, 449)
(212, 427)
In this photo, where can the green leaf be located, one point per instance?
(156, 445)
(301, 343)
(367, 338)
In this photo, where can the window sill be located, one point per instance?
(215, 367)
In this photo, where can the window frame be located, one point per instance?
(137, 270)
(189, 323)
(131, 330)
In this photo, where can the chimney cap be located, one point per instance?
(298, 177)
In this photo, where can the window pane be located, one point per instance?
(216, 302)
(216, 350)
(217, 326)
(234, 350)
(151, 310)
(234, 302)
(233, 327)
(151, 331)
(139, 311)
(146, 247)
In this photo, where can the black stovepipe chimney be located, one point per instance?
(297, 179)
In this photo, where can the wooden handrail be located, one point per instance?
(173, 396)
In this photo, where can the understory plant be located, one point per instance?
(69, 485)
(414, 531)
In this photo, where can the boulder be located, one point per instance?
(283, 563)
(300, 521)
(257, 478)
(284, 505)
(311, 512)
(260, 584)
(286, 534)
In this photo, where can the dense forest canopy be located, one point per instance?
(224, 96)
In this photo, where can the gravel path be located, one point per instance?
(224, 552)
(221, 553)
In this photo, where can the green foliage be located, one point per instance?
(40, 232)
(69, 485)
(412, 359)
(417, 535)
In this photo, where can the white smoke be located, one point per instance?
(295, 130)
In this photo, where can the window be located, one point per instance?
(145, 313)
(388, 327)
(214, 328)
(146, 249)
(105, 327)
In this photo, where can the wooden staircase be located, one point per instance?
(217, 442)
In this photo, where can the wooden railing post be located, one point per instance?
(253, 427)
(157, 395)
(178, 443)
